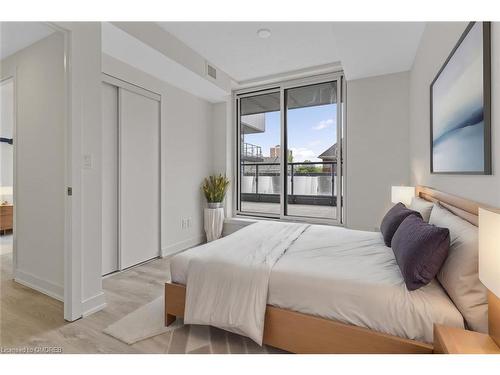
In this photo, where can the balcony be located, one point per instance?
(251, 153)
(312, 189)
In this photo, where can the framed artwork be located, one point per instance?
(461, 106)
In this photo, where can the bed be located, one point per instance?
(341, 291)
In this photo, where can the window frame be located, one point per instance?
(281, 87)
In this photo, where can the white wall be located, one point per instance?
(438, 40)
(6, 131)
(219, 137)
(377, 146)
(83, 282)
(187, 154)
(224, 136)
(40, 164)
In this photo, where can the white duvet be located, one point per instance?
(331, 272)
(228, 280)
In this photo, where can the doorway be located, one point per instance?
(7, 166)
(33, 132)
(290, 139)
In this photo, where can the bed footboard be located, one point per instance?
(302, 333)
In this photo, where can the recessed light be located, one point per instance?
(264, 33)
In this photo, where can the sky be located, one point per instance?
(311, 131)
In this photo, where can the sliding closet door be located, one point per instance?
(139, 178)
(109, 178)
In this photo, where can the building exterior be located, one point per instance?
(329, 155)
(274, 152)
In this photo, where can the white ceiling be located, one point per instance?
(376, 48)
(363, 48)
(235, 47)
(15, 36)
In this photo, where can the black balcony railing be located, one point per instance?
(300, 182)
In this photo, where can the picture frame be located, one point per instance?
(460, 106)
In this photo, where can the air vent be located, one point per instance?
(211, 71)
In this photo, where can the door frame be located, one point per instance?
(73, 207)
(11, 77)
(72, 251)
(120, 84)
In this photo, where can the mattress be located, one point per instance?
(352, 277)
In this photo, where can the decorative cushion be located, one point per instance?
(459, 275)
(422, 206)
(392, 219)
(420, 250)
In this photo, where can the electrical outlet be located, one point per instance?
(186, 223)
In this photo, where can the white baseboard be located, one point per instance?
(40, 285)
(182, 245)
(93, 304)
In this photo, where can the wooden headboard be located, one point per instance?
(464, 208)
(467, 210)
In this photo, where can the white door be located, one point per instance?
(139, 177)
(109, 178)
(40, 164)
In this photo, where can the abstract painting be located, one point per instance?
(460, 106)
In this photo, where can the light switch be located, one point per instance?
(87, 161)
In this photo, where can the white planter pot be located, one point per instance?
(214, 222)
(215, 204)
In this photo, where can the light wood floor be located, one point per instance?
(31, 319)
(6, 241)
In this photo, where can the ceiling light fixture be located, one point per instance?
(264, 33)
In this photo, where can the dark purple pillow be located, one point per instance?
(420, 250)
(393, 219)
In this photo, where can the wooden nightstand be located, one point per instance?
(448, 340)
(6, 218)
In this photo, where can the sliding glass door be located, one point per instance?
(289, 151)
(311, 139)
(260, 142)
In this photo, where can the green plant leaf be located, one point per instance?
(214, 188)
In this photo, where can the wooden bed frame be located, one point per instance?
(302, 333)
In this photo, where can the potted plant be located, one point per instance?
(214, 188)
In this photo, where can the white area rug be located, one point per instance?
(148, 321)
(145, 322)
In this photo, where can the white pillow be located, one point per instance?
(422, 206)
(459, 274)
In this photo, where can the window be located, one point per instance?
(260, 172)
(289, 151)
